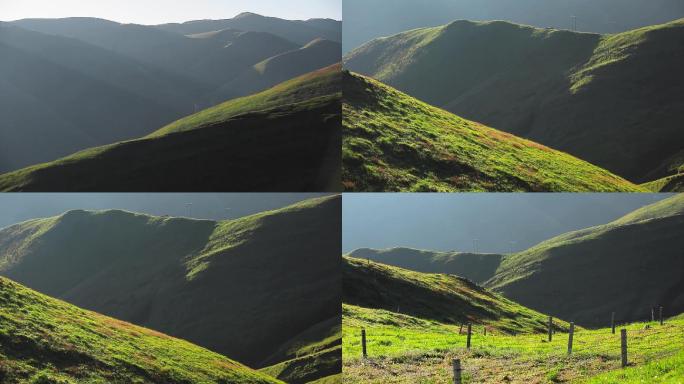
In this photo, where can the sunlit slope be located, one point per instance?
(473, 266)
(393, 142)
(374, 292)
(627, 266)
(284, 139)
(612, 100)
(44, 340)
(217, 284)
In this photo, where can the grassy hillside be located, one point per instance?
(612, 100)
(226, 276)
(372, 292)
(393, 142)
(44, 340)
(472, 266)
(61, 95)
(674, 183)
(627, 266)
(284, 139)
(276, 69)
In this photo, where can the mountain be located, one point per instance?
(477, 267)
(627, 266)
(612, 100)
(284, 139)
(44, 340)
(393, 142)
(365, 21)
(263, 289)
(276, 69)
(210, 58)
(60, 95)
(298, 31)
(371, 290)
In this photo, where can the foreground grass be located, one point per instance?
(419, 351)
(668, 371)
(43, 340)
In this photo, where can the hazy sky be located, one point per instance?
(452, 221)
(18, 207)
(165, 11)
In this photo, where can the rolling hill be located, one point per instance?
(393, 142)
(612, 100)
(220, 285)
(477, 267)
(276, 69)
(60, 95)
(44, 340)
(627, 266)
(284, 139)
(298, 31)
(373, 292)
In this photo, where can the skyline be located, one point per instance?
(496, 223)
(152, 12)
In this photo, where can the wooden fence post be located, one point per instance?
(652, 314)
(470, 330)
(570, 335)
(457, 371)
(550, 328)
(612, 322)
(460, 329)
(363, 343)
(661, 315)
(485, 330)
(623, 334)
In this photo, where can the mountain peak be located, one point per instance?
(245, 15)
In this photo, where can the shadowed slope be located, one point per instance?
(283, 139)
(442, 298)
(44, 340)
(393, 142)
(220, 285)
(473, 266)
(612, 100)
(627, 266)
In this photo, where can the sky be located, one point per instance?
(489, 223)
(164, 11)
(18, 207)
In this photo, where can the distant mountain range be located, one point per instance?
(611, 100)
(627, 266)
(263, 290)
(69, 84)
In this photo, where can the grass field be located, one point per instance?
(410, 350)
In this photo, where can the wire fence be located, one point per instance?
(515, 355)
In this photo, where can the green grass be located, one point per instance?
(440, 298)
(674, 183)
(624, 266)
(227, 276)
(611, 100)
(411, 350)
(393, 142)
(237, 138)
(666, 371)
(47, 341)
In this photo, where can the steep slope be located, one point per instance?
(477, 267)
(315, 55)
(284, 139)
(299, 31)
(393, 142)
(612, 100)
(218, 284)
(627, 266)
(60, 95)
(44, 340)
(369, 289)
